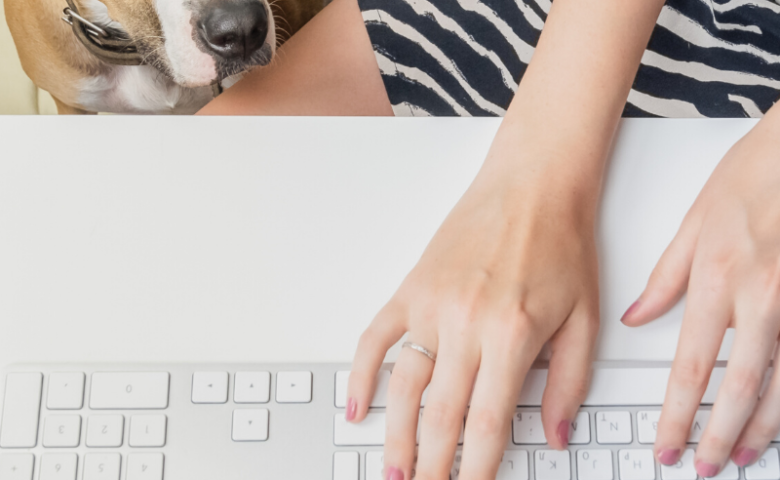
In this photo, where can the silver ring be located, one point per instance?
(420, 349)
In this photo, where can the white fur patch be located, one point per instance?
(140, 89)
(190, 65)
(97, 12)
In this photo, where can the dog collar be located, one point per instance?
(109, 46)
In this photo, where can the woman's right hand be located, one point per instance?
(513, 266)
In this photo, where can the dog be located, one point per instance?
(147, 56)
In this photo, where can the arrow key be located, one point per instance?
(250, 425)
(210, 387)
(293, 387)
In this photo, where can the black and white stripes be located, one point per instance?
(706, 58)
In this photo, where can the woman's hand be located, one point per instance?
(508, 270)
(727, 257)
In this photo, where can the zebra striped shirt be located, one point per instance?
(706, 58)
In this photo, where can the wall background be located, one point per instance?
(18, 95)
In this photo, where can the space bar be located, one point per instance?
(369, 432)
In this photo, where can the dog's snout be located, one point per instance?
(235, 29)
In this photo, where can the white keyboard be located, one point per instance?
(286, 422)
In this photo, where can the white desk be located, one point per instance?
(266, 239)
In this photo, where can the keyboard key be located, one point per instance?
(527, 429)
(210, 387)
(105, 431)
(62, 431)
(21, 409)
(66, 391)
(684, 469)
(552, 465)
(766, 468)
(145, 466)
(380, 393)
(700, 420)
(579, 433)
(250, 425)
(346, 466)
(102, 466)
(148, 430)
(375, 463)
(369, 432)
(16, 466)
(636, 464)
(729, 472)
(514, 466)
(613, 427)
(252, 387)
(129, 391)
(293, 387)
(59, 466)
(647, 426)
(594, 465)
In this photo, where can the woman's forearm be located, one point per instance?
(560, 125)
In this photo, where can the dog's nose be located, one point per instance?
(235, 29)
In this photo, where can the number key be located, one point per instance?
(147, 466)
(148, 430)
(62, 431)
(105, 430)
(100, 466)
(59, 466)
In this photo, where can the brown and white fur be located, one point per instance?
(179, 72)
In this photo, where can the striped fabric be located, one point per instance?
(706, 58)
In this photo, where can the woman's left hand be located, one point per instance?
(726, 256)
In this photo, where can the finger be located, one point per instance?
(707, 316)
(411, 374)
(737, 398)
(569, 374)
(501, 374)
(762, 427)
(385, 330)
(669, 279)
(445, 407)
(754, 343)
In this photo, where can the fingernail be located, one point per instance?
(563, 432)
(630, 310)
(393, 473)
(351, 409)
(745, 456)
(707, 470)
(669, 456)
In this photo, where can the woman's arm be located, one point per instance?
(514, 264)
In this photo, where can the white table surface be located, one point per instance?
(268, 239)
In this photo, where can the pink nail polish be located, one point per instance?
(745, 456)
(634, 306)
(351, 409)
(393, 473)
(707, 470)
(563, 432)
(669, 456)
